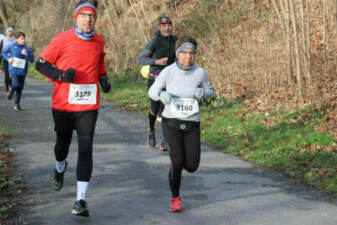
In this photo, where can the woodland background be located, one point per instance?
(268, 53)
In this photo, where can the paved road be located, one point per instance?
(129, 184)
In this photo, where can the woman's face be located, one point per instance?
(186, 57)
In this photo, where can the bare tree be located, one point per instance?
(308, 51)
(306, 68)
(335, 14)
(325, 47)
(285, 11)
(296, 45)
(3, 14)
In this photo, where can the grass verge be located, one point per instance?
(129, 95)
(10, 182)
(299, 144)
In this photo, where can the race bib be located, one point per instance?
(82, 94)
(19, 63)
(184, 107)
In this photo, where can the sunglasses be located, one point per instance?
(165, 20)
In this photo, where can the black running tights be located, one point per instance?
(84, 124)
(156, 107)
(7, 76)
(184, 150)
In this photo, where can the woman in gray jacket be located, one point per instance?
(185, 84)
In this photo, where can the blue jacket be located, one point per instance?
(14, 50)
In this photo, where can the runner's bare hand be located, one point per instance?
(161, 62)
(24, 52)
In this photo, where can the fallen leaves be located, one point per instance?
(10, 183)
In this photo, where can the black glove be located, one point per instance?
(68, 75)
(103, 80)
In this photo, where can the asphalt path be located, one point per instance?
(129, 184)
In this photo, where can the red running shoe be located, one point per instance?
(176, 205)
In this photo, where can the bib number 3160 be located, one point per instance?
(82, 94)
(184, 107)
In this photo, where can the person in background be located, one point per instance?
(17, 55)
(179, 87)
(158, 53)
(1, 37)
(7, 41)
(78, 56)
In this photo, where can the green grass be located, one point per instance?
(287, 143)
(129, 95)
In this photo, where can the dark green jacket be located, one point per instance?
(157, 48)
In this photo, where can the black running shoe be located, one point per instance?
(57, 178)
(80, 208)
(10, 94)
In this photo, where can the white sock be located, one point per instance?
(82, 188)
(60, 166)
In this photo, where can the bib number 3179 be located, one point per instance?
(82, 94)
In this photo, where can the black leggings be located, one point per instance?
(7, 77)
(156, 107)
(184, 150)
(84, 123)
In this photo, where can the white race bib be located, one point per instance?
(82, 94)
(19, 63)
(184, 107)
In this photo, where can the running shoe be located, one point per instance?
(163, 146)
(151, 139)
(57, 178)
(159, 118)
(17, 107)
(80, 208)
(10, 94)
(176, 205)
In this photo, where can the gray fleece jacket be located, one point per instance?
(181, 83)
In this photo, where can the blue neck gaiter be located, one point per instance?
(83, 35)
(188, 68)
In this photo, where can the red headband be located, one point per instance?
(84, 9)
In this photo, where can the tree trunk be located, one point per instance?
(308, 51)
(118, 12)
(278, 14)
(304, 43)
(139, 23)
(285, 11)
(335, 3)
(325, 46)
(297, 52)
(3, 15)
(65, 20)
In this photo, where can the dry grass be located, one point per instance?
(241, 43)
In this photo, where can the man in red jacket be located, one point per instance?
(78, 59)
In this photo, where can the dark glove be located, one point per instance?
(103, 80)
(68, 75)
